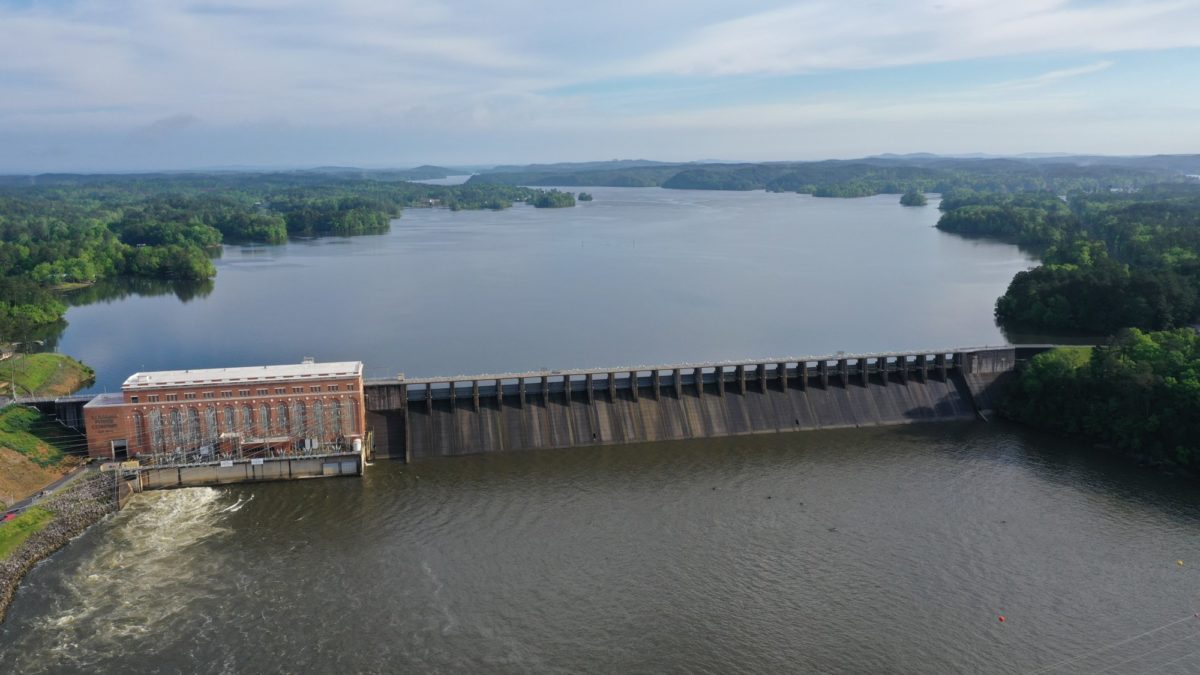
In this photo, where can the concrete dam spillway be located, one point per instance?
(448, 416)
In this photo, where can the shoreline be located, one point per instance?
(81, 505)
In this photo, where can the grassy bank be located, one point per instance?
(16, 531)
(50, 526)
(34, 452)
(44, 375)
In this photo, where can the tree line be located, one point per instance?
(1124, 264)
(1110, 260)
(855, 178)
(1139, 394)
(63, 231)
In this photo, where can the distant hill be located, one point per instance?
(881, 174)
(572, 167)
(423, 172)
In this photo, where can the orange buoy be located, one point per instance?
(1001, 618)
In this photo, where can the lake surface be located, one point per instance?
(638, 276)
(874, 550)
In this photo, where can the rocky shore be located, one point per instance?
(75, 508)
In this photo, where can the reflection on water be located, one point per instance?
(112, 290)
(866, 550)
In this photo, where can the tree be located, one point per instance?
(913, 198)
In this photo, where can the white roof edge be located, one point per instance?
(242, 375)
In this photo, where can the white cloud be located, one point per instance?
(1053, 76)
(830, 34)
(191, 81)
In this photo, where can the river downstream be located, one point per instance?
(881, 550)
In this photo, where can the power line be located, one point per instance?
(1114, 644)
(1160, 666)
(1172, 643)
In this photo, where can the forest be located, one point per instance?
(1139, 395)
(854, 178)
(1110, 260)
(1124, 264)
(64, 231)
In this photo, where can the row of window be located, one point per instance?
(181, 427)
(242, 393)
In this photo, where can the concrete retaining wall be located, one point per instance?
(244, 471)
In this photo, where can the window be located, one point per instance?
(193, 429)
(318, 414)
(227, 423)
(139, 431)
(351, 416)
(172, 397)
(210, 421)
(333, 387)
(208, 394)
(190, 395)
(262, 392)
(156, 430)
(243, 392)
(299, 424)
(133, 399)
(297, 390)
(315, 390)
(281, 419)
(264, 420)
(153, 398)
(227, 394)
(280, 390)
(176, 427)
(335, 411)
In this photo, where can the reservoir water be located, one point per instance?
(872, 550)
(638, 276)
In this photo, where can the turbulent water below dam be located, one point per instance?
(871, 550)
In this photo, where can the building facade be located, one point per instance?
(221, 413)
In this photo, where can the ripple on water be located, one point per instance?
(868, 550)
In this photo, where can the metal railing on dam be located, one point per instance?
(460, 415)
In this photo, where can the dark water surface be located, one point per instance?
(875, 550)
(639, 276)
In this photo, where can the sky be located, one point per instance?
(124, 85)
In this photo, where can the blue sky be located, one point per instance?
(169, 84)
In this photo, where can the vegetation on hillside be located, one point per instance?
(1139, 394)
(34, 451)
(14, 532)
(1109, 260)
(859, 178)
(37, 438)
(43, 374)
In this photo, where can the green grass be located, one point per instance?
(46, 373)
(32, 435)
(1079, 356)
(16, 531)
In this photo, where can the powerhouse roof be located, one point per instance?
(244, 375)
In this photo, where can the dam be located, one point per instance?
(415, 419)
